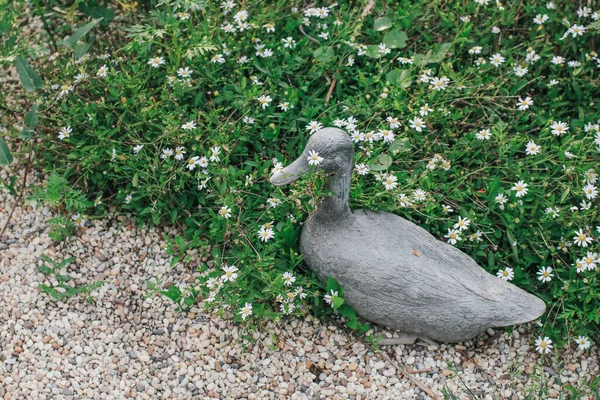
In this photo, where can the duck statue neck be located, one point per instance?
(394, 272)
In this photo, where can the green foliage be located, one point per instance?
(72, 40)
(9, 184)
(30, 123)
(11, 43)
(382, 23)
(29, 78)
(239, 104)
(97, 11)
(5, 155)
(183, 5)
(62, 197)
(60, 228)
(62, 288)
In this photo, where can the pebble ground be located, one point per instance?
(125, 346)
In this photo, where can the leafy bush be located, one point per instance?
(65, 200)
(478, 122)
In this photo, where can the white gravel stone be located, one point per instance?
(125, 347)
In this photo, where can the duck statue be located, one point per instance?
(393, 272)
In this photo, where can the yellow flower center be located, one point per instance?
(582, 237)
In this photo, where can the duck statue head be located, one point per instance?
(394, 272)
(330, 150)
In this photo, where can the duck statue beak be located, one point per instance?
(292, 172)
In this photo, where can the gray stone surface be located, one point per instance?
(394, 272)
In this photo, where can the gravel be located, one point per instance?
(125, 346)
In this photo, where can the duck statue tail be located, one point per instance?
(519, 307)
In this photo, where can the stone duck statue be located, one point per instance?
(394, 272)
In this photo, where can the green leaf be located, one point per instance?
(381, 24)
(29, 78)
(373, 51)
(172, 293)
(332, 284)
(31, 118)
(564, 194)
(45, 270)
(31, 121)
(5, 156)
(94, 10)
(362, 79)
(79, 33)
(324, 54)
(47, 259)
(512, 241)
(395, 39)
(364, 328)
(399, 77)
(50, 291)
(65, 262)
(381, 163)
(393, 76)
(400, 144)
(337, 302)
(81, 48)
(444, 48)
(9, 184)
(352, 324)
(347, 311)
(5, 27)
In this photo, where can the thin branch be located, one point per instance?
(367, 9)
(411, 378)
(312, 39)
(330, 91)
